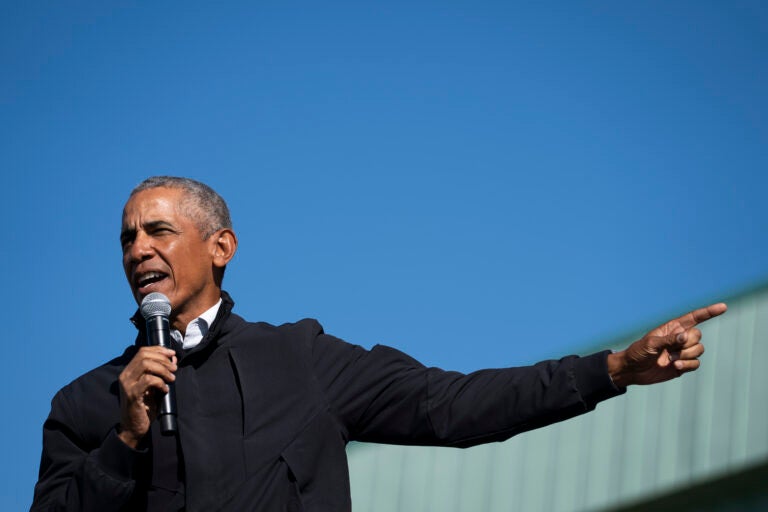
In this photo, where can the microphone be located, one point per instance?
(155, 308)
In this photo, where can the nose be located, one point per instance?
(141, 248)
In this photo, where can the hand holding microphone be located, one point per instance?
(146, 383)
(156, 308)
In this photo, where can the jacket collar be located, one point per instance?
(216, 327)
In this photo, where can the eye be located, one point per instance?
(126, 240)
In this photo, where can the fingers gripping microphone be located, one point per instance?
(155, 308)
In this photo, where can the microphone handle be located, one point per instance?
(159, 333)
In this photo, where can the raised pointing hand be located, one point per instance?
(664, 353)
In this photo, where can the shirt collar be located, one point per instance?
(197, 328)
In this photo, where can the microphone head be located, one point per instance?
(155, 304)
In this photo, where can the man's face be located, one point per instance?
(163, 251)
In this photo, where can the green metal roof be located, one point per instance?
(652, 440)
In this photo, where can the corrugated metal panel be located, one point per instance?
(654, 439)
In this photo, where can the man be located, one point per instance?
(265, 412)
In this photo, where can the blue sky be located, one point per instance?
(480, 184)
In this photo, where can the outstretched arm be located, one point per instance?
(665, 353)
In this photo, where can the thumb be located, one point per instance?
(676, 344)
(672, 342)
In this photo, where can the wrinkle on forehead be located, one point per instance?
(152, 209)
(182, 205)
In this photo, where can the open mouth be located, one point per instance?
(146, 280)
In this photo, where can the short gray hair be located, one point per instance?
(202, 204)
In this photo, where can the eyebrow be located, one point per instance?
(127, 233)
(154, 224)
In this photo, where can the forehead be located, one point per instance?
(159, 203)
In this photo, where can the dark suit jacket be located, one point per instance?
(265, 414)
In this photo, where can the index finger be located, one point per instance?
(702, 315)
(154, 353)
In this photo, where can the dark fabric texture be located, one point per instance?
(265, 413)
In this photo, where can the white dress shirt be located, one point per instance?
(197, 328)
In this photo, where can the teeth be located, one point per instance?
(149, 276)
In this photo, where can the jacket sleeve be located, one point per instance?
(79, 475)
(385, 396)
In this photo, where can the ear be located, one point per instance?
(223, 247)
